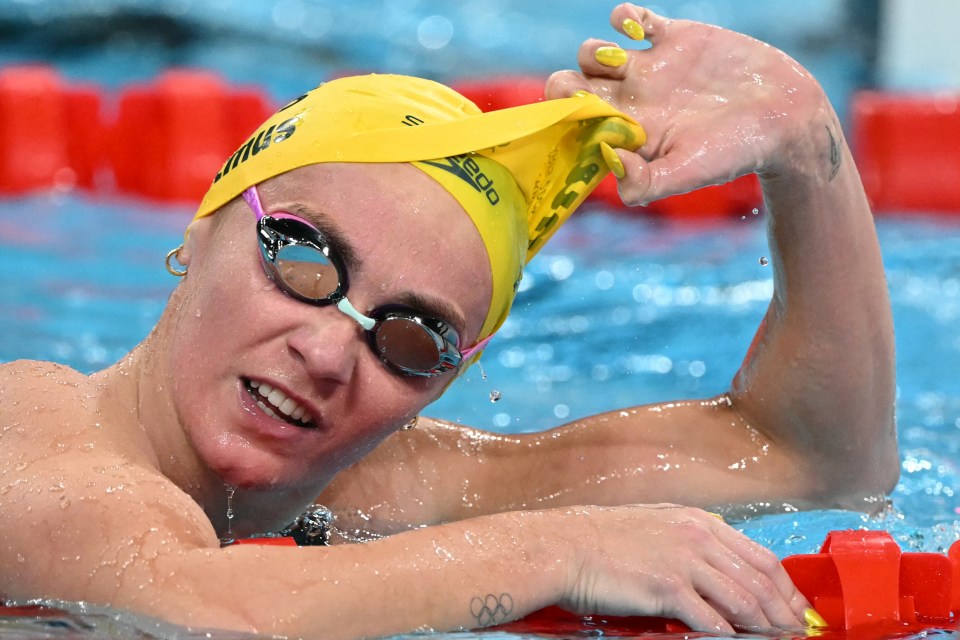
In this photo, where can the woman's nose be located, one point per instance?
(330, 345)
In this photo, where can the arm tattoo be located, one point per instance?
(491, 610)
(835, 156)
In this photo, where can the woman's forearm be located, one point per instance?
(820, 378)
(457, 576)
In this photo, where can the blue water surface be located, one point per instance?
(618, 310)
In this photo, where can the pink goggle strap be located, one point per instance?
(253, 200)
(467, 353)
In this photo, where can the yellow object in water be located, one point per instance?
(518, 173)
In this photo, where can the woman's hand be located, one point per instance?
(676, 562)
(715, 104)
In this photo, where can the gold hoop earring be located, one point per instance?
(175, 253)
(412, 423)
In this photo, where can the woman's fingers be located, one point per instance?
(762, 573)
(697, 613)
(643, 181)
(683, 563)
(738, 606)
(604, 59)
(746, 597)
(625, 16)
(751, 588)
(669, 172)
(563, 84)
(740, 579)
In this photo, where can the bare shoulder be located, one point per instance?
(27, 374)
(30, 387)
(76, 489)
(42, 401)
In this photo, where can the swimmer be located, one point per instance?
(339, 275)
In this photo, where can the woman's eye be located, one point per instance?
(307, 272)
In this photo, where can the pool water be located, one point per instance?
(618, 310)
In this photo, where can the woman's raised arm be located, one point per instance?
(809, 418)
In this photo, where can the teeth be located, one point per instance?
(287, 406)
(266, 409)
(274, 401)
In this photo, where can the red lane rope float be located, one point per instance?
(493, 94)
(50, 131)
(908, 150)
(165, 140)
(861, 582)
(172, 136)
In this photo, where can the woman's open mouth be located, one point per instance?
(276, 404)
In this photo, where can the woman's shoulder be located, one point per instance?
(39, 368)
(34, 391)
(37, 376)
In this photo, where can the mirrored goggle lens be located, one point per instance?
(307, 272)
(413, 347)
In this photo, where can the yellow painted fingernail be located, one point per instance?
(613, 160)
(581, 94)
(611, 56)
(814, 619)
(634, 29)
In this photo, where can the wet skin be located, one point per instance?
(112, 485)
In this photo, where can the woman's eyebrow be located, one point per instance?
(337, 240)
(434, 307)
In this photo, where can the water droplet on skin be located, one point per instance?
(197, 314)
(495, 396)
(763, 261)
(228, 538)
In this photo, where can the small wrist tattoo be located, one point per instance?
(835, 156)
(491, 609)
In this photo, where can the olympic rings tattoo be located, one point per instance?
(491, 609)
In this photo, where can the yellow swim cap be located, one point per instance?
(518, 173)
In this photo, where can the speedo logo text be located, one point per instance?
(467, 169)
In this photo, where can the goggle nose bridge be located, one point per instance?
(347, 308)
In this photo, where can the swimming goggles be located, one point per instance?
(299, 259)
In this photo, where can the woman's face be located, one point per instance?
(236, 330)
